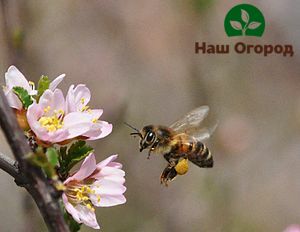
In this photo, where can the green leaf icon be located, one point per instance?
(236, 25)
(245, 16)
(254, 25)
(244, 20)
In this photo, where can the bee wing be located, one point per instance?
(191, 119)
(202, 134)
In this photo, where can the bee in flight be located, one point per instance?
(179, 143)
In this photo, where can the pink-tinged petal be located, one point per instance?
(14, 77)
(82, 92)
(70, 100)
(77, 98)
(112, 174)
(57, 136)
(55, 100)
(77, 124)
(58, 100)
(33, 114)
(106, 129)
(56, 82)
(70, 209)
(108, 200)
(108, 187)
(96, 113)
(115, 165)
(87, 216)
(105, 162)
(13, 100)
(87, 168)
(109, 171)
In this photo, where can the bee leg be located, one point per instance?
(168, 174)
(149, 153)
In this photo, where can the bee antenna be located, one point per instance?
(137, 131)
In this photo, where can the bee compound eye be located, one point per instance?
(150, 137)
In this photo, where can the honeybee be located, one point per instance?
(179, 143)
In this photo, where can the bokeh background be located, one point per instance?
(138, 59)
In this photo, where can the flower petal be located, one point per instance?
(87, 168)
(111, 174)
(14, 77)
(115, 165)
(77, 98)
(105, 162)
(53, 99)
(87, 216)
(108, 200)
(70, 209)
(77, 124)
(13, 100)
(56, 82)
(108, 187)
(99, 130)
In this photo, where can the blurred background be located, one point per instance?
(137, 58)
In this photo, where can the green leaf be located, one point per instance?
(77, 152)
(52, 156)
(23, 95)
(43, 84)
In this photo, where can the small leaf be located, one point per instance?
(77, 152)
(236, 25)
(254, 25)
(23, 95)
(245, 16)
(52, 156)
(43, 84)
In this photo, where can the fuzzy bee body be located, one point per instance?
(179, 143)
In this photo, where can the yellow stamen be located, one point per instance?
(80, 194)
(52, 123)
(31, 83)
(94, 120)
(84, 108)
(47, 109)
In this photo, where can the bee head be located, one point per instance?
(148, 137)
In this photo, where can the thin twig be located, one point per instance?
(11, 167)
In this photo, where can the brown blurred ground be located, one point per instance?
(137, 57)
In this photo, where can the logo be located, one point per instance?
(244, 20)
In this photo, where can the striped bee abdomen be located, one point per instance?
(201, 156)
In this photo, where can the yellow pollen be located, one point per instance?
(61, 112)
(47, 109)
(82, 100)
(52, 123)
(94, 120)
(90, 207)
(84, 108)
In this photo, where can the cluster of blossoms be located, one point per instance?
(61, 125)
